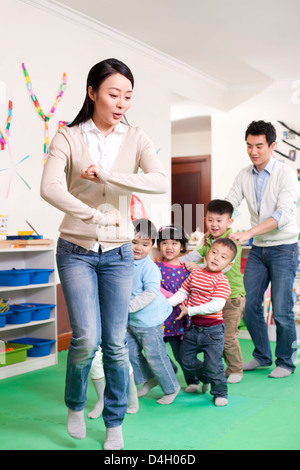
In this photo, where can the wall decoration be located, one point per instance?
(290, 156)
(63, 124)
(45, 117)
(12, 167)
(8, 123)
(289, 129)
(291, 145)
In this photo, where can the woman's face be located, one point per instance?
(111, 102)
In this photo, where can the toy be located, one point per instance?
(196, 238)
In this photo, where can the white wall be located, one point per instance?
(191, 144)
(279, 102)
(49, 42)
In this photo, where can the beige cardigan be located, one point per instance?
(84, 202)
(281, 193)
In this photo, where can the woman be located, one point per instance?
(99, 155)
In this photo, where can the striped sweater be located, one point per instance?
(204, 293)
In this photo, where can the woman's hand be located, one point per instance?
(90, 173)
(111, 218)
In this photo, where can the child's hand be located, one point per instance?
(190, 266)
(184, 311)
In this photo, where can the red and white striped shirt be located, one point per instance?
(202, 286)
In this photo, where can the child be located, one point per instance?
(171, 242)
(98, 379)
(218, 220)
(147, 311)
(204, 294)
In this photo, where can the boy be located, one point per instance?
(218, 220)
(148, 310)
(204, 294)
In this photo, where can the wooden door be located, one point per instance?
(191, 191)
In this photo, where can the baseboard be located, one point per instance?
(63, 341)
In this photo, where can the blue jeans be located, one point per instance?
(155, 361)
(210, 341)
(275, 264)
(97, 290)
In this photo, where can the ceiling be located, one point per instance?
(237, 42)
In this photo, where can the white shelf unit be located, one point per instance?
(38, 257)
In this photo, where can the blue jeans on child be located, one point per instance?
(210, 341)
(97, 290)
(155, 360)
(275, 264)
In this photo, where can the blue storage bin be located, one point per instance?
(19, 314)
(15, 277)
(40, 276)
(40, 347)
(40, 311)
(3, 316)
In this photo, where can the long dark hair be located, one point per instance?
(96, 76)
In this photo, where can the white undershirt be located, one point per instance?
(103, 150)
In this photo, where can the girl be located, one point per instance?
(98, 157)
(98, 380)
(172, 242)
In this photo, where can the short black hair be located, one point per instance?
(262, 128)
(227, 242)
(146, 229)
(173, 232)
(220, 206)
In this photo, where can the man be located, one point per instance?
(271, 191)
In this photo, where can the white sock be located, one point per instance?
(251, 365)
(76, 424)
(98, 408)
(167, 399)
(114, 439)
(147, 386)
(133, 402)
(280, 373)
(192, 388)
(234, 378)
(221, 401)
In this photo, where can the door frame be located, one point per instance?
(205, 161)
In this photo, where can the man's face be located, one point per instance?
(259, 151)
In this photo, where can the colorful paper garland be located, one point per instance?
(6, 142)
(8, 123)
(45, 117)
